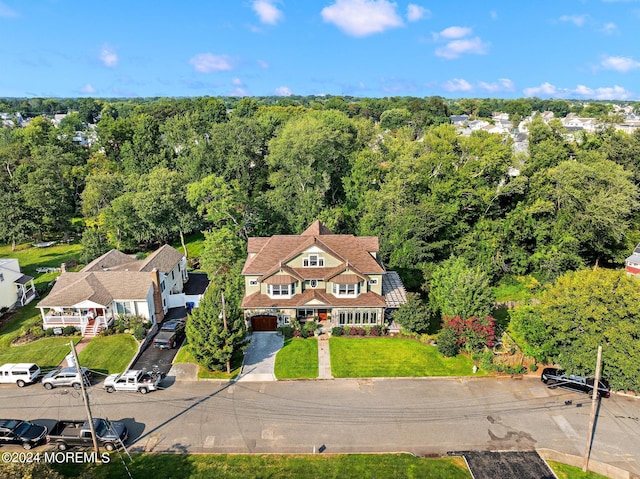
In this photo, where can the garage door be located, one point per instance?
(264, 323)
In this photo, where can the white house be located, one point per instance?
(117, 284)
(16, 289)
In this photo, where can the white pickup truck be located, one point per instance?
(138, 380)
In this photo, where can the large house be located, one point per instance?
(117, 284)
(16, 289)
(335, 279)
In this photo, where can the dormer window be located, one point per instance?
(281, 290)
(346, 290)
(313, 261)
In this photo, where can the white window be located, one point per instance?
(280, 289)
(306, 313)
(313, 261)
(253, 282)
(346, 289)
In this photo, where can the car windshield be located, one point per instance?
(22, 428)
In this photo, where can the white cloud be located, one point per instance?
(360, 18)
(6, 11)
(108, 57)
(236, 81)
(503, 84)
(416, 12)
(457, 84)
(620, 64)
(87, 89)
(267, 12)
(208, 62)
(546, 89)
(456, 48)
(263, 64)
(577, 20)
(453, 32)
(493, 14)
(283, 91)
(610, 28)
(239, 91)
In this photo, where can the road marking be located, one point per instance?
(209, 441)
(565, 426)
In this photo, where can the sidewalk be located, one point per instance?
(324, 358)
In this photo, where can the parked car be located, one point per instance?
(16, 431)
(20, 374)
(133, 380)
(65, 434)
(556, 377)
(170, 335)
(65, 377)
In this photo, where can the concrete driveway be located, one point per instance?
(260, 356)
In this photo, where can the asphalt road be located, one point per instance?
(426, 416)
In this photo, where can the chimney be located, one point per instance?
(63, 267)
(157, 295)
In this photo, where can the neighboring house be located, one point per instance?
(16, 289)
(117, 284)
(632, 263)
(337, 280)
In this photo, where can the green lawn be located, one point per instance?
(298, 359)
(183, 466)
(564, 471)
(46, 352)
(109, 354)
(393, 357)
(184, 356)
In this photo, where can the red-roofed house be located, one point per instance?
(336, 279)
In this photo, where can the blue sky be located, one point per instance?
(366, 48)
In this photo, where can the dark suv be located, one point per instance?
(15, 431)
(555, 377)
(170, 335)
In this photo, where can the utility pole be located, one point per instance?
(594, 407)
(224, 324)
(86, 400)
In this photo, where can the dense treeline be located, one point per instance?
(394, 168)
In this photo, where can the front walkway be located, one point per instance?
(260, 356)
(79, 347)
(324, 357)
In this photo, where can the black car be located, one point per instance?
(174, 326)
(16, 431)
(556, 377)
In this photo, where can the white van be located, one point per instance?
(20, 373)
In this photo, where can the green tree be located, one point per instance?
(214, 335)
(94, 244)
(458, 289)
(415, 315)
(584, 309)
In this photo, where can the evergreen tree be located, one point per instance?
(214, 333)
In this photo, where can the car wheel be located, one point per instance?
(27, 445)
(76, 386)
(109, 446)
(48, 386)
(20, 383)
(110, 389)
(545, 380)
(143, 390)
(62, 446)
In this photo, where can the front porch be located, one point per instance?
(89, 323)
